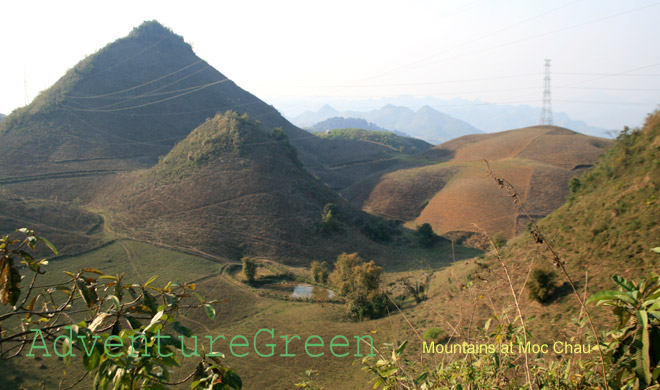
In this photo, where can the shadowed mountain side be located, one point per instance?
(455, 194)
(69, 228)
(123, 106)
(231, 189)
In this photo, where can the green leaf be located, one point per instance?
(612, 296)
(210, 311)
(150, 281)
(642, 357)
(92, 360)
(49, 245)
(182, 329)
(623, 282)
(656, 249)
(231, 379)
(402, 347)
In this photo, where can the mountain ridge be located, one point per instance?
(426, 123)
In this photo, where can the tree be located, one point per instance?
(425, 235)
(542, 285)
(249, 268)
(129, 317)
(319, 272)
(329, 217)
(359, 282)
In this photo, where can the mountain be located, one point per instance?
(450, 192)
(2, 117)
(120, 109)
(426, 123)
(309, 118)
(489, 117)
(385, 139)
(244, 187)
(344, 123)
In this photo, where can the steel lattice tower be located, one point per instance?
(546, 111)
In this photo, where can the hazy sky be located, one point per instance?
(605, 53)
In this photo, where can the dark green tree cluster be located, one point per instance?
(426, 236)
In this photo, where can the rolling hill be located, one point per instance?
(232, 189)
(451, 194)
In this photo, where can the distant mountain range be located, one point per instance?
(426, 123)
(485, 116)
(2, 117)
(338, 122)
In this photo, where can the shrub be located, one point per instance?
(433, 334)
(542, 285)
(499, 239)
(425, 235)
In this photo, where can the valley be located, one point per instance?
(144, 165)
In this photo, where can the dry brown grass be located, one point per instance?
(453, 195)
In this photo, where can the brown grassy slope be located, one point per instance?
(69, 228)
(451, 195)
(231, 189)
(608, 227)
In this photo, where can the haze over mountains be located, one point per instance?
(426, 123)
(484, 116)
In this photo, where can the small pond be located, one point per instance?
(304, 290)
(294, 289)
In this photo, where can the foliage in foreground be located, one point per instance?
(631, 349)
(121, 330)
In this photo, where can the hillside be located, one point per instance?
(451, 194)
(245, 188)
(607, 226)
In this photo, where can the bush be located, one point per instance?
(542, 285)
(425, 235)
(499, 239)
(433, 334)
